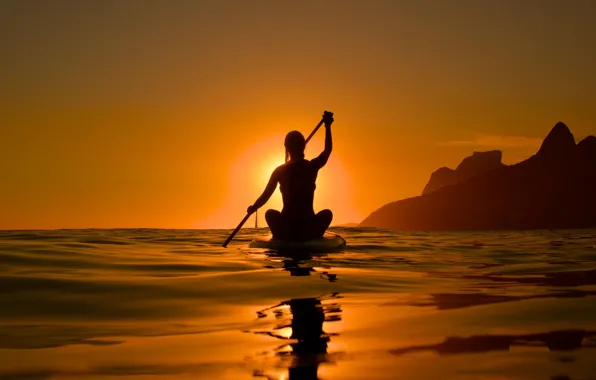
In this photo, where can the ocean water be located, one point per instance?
(172, 304)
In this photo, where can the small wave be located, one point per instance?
(105, 241)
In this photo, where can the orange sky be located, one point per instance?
(171, 113)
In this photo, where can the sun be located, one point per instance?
(252, 170)
(269, 164)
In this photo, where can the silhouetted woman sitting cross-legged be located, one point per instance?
(297, 220)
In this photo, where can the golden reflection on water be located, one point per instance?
(327, 337)
(311, 317)
(384, 337)
(299, 325)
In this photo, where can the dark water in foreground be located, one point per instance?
(172, 304)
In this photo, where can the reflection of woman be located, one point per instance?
(307, 328)
(298, 265)
(310, 341)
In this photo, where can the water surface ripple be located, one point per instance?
(173, 304)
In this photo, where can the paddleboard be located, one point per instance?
(330, 242)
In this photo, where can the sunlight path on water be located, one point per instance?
(173, 304)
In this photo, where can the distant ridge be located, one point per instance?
(555, 188)
(472, 166)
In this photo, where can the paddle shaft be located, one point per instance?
(314, 131)
(229, 239)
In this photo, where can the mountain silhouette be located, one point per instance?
(553, 189)
(472, 166)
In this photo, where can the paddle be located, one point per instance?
(229, 239)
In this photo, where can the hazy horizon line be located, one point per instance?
(154, 228)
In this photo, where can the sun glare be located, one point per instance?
(250, 174)
(267, 169)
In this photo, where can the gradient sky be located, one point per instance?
(172, 113)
